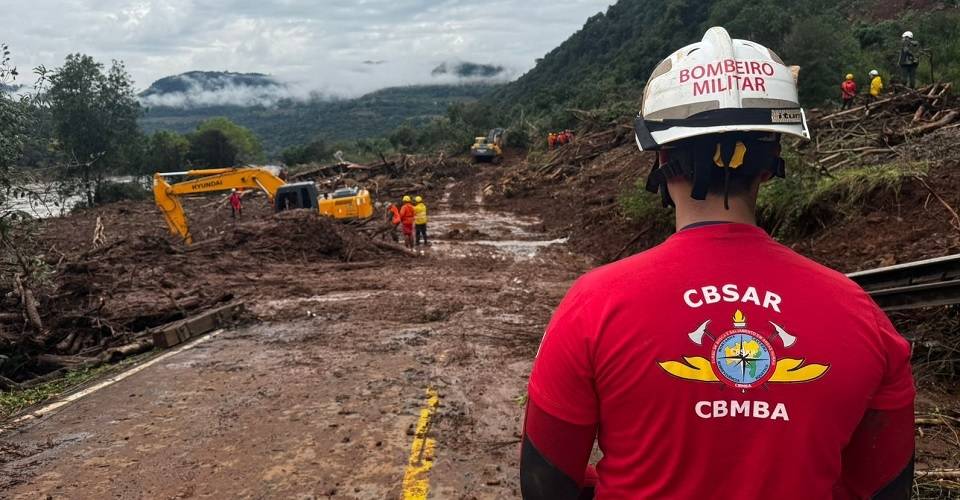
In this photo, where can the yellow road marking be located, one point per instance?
(416, 482)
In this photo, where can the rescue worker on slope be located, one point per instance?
(876, 85)
(407, 217)
(848, 90)
(236, 203)
(720, 363)
(420, 219)
(552, 140)
(909, 58)
(393, 218)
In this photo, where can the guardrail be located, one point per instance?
(925, 283)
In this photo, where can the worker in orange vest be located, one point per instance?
(552, 140)
(407, 216)
(393, 219)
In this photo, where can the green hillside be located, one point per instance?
(608, 60)
(296, 122)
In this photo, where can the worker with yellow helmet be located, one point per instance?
(420, 219)
(848, 90)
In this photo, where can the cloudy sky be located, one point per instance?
(328, 46)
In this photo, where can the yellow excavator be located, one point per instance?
(345, 203)
(489, 148)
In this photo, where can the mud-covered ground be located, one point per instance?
(321, 391)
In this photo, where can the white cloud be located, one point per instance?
(320, 45)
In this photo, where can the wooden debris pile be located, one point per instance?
(566, 161)
(878, 131)
(389, 178)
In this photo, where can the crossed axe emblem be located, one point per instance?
(697, 335)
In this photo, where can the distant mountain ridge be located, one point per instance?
(215, 88)
(208, 80)
(289, 122)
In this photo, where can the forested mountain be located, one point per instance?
(294, 121)
(193, 81)
(610, 58)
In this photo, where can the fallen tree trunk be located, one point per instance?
(29, 303)
(115, 354)
(393, 247)
(923, 129)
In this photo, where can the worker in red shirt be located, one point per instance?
(848, 90)
(407, 217)
(719, 364)
(552, 140)
(236, 203)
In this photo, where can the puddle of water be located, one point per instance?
(322, 299)
(499, 235)
(519, 249)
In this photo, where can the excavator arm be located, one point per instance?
(167, 196)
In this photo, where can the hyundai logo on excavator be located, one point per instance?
(207, 185)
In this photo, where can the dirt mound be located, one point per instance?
(89, 300)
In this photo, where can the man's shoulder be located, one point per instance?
(666, 260)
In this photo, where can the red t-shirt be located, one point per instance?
(849, 88)
(694, 400)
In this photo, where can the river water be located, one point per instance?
(41, 200)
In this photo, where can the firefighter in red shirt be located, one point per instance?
(719, 364)
(407, 216)
(848, 90)
(236, 203)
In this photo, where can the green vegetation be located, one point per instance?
(641, 205)
(110, 192)
(797, 206)
(12, 402)
(296, 123)
(167, 151)
(608, 61)
(94, 115)
(12, 124)
(248, 148)
(808, 200)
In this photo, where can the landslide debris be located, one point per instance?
(84, 304)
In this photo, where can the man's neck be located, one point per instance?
(712, 210)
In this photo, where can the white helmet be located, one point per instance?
(907, 34)
(719, 85)
(874, 72)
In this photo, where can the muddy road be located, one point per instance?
(371, 383)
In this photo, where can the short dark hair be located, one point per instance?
(762, 155)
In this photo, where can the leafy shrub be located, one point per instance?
(642, 206)
(110, 192)
(808, 200)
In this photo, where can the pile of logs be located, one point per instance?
(876, 131)
(390, 177)
(567, 160)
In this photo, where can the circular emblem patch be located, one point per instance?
(743, 359)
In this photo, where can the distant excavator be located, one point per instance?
(345, 203)
(489, 148)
